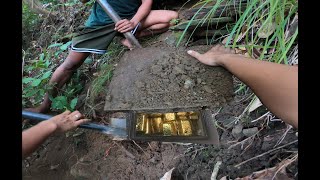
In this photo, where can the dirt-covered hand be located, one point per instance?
(67, 121)
(213, 56)
(124, 25)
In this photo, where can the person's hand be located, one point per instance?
(67, 121)
(213, 56)
(124, 25)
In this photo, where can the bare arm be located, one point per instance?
(126, 25)
(276, 85)
(33, 137)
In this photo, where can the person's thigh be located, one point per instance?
(158, 17)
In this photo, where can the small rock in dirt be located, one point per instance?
(163, 75)
(199, 80)
(217, 104)
(250, 131)
(178, 70)
(166, 80)
(139, 84)
(223, 99)
(207, 89)
(197, 69)
(188, 83)
(153, 160)
(80, 171)
(125, 105)
(176, 61)
(267, 143)
(156, 69)
(237, 131)
(54, 167)
(188, 68)
(108, 98)
(174, 87)
(139, 69)
(202, 70)
(187, 62)
(184, 77)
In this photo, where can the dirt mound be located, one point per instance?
(166, 78)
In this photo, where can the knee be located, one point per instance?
(67, 67)
(169, 15)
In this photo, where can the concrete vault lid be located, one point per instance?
(166, 78)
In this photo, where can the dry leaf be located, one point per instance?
(215, 170)
(224, 178)
(237, 50)
(247, 55)
(224, 41)
(96, 74)
(167, 175)
(243, 48)
(266, 30)
(240, 37)
(255, 104)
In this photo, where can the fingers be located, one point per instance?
(76, 115)
(194, 54)
(125, 28)
(66, 112)
(122, 24)
(119, 24)
(217, 47)
(82, 121)
(221, 48)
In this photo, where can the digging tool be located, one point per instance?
(115, 18)
(114, 131)
(132, 128)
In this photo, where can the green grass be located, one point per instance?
(270, 18)
(98, 85)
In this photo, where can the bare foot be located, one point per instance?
(126, 43)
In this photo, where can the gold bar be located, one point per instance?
(157, 126)
(184, 127)
(154, 115)
(148, 127)
(140, 122)
(169, 124)
(167, 130)
(173, 129)
(181, 113)
(144, 122)
(169, 116)
(183, 117)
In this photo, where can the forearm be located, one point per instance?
(32, 138)
(142, 12)
(275, 84)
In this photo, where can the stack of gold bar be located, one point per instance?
(168, 124)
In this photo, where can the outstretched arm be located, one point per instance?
(276, 85)
(33, 137)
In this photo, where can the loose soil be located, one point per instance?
(90, 155)
(166, 78)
